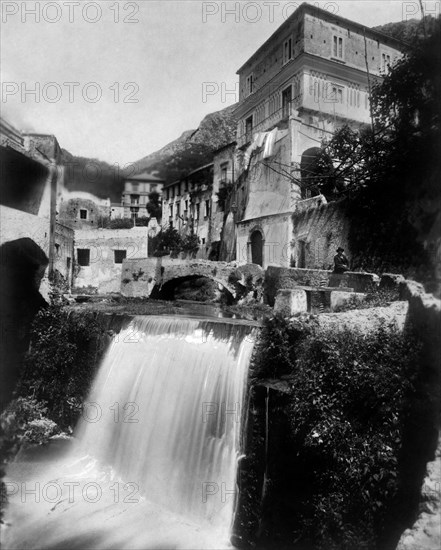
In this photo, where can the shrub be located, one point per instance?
(25, 420)
(61, 362)
(346, 417)
(346, 413)
(190, 243)
(168, 241)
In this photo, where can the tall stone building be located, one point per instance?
(309, 78)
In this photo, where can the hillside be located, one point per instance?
(176, 159)
(408, 31)
(193, 148)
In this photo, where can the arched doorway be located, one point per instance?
(316, 173)
(256, 242)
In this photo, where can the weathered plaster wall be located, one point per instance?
(103, 273)
(64, 252)
(318, 229)
(277, 238)
(318, 41)
(269, 191)
(16, 224)
(69, 211)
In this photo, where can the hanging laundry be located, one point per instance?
(269, 145)
(261, 138)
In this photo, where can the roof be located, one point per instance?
(145, 176)
(325, 14)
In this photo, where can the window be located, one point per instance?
(224, 172)
(249, 127)
(83, 214)
(336, 94)
(249, 83)
(68, 263)
(135, 186)
(337, 47)
(207, 209)
(120, 255)
(286, 101)
(385, 62)
(57, 249)
(153, 188)
(198, 209)
(287, 50)
(83, 256)
(134, 200)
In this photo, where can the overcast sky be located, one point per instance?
(118, 80)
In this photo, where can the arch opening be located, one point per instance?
(195, 288)
(316, 173)
(256, 244)
(22, 267)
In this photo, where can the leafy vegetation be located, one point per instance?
(61, 362)
(170, 241)
(346, 415)
(390, 172)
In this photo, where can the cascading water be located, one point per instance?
(162, 427)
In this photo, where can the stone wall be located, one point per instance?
(103, 273)
(140, 277)
(95, 208)
(318, 230)
(278, 278)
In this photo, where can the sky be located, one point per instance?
(117, 80)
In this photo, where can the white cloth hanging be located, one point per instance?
(269, 144)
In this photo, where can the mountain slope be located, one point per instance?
(192, 149)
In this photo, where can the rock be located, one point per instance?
(410, 289)
(341, 298)
(366, 320)
(391, 281)
(290, 301)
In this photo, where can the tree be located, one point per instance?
(154, 206)
(390, 172)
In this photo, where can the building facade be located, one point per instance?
(312, 76)
(135, 196)
(187, 206)
(82, 210)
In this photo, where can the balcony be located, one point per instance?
(283, 113)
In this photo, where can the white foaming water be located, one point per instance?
(158, 445)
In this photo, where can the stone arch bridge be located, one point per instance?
(151, 276)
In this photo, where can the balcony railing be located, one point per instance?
(271, 120)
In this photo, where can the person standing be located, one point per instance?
(341, 262)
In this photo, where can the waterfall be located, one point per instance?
(163, 417)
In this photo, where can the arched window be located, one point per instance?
(256, 245)
(316, 174)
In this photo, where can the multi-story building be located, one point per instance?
(135, 196)
(187, 206)
(313, 75)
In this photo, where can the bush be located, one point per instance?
(61, 362)
(346, 416)
(190, 243)
(25, 421)
(169, 241)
